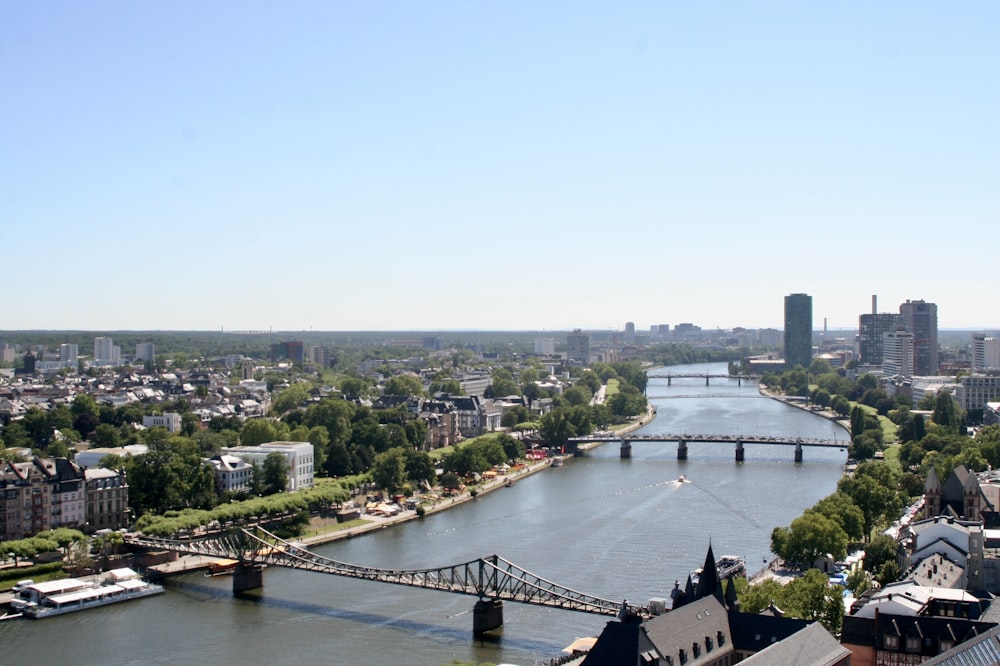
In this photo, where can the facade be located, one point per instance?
(798, 330)
(985, 352)
(145, 351)
(545, 346)
(578, 347)
(298, 456)
(897, 354)
(292, 350)
(920, 319)
(168, 420)
(106, 499)
(871, 332)
(975, 390)
(106, 352)
(321, 356)
(68, 354)
(232, 474)
(40, 495)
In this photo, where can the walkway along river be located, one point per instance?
(606, 526)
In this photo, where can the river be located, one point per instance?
(620, 529)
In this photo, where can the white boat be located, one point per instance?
(56, 597)
(682, 479)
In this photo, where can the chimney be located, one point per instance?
(874, 303)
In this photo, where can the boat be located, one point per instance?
(68, 595)
(509, 483)
(557, 461)
(682, 479)
(222, 567)
(726, 566)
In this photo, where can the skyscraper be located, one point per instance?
(920, 319)
(798, 330)
(578, 347)
(897, 353)
(871, 329)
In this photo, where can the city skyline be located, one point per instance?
(339, 166)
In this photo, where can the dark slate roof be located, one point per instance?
(682, 628)
(981, 651)
(811, 646)
(618, 644)
(753, 633)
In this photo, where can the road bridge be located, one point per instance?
(670, 376)
(491, 578)
(683, 440)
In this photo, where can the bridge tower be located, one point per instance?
(798, 452)
(626, 450)
(682, 449)
(739, 451)
(487, 616)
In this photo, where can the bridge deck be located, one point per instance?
(733, 439)
(490, 577)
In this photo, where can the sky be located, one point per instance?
(338, 165)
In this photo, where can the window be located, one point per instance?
(890, 642)
(913, 644)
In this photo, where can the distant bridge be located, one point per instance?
(491, 578)
(670, 376)
(682, 442)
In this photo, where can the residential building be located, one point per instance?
(232, 474)
(977, 389)
(871, 331)
(920, 319)
(578, 347)
(106, 499)
(298, 456)
(798, 330)
(169, 420)
(145, 352)
(985, 352)
(40, 495)
(106, 352)
(321, 356)
(68, 354)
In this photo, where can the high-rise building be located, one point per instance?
(291, 350)
(68, 353)
(545, 346)
(106, 352)
(630, 330)
(985, 352)
(920, 319)
(145, 351)
(897, 353)
(578, 347)
(798, 330)
(871, 329)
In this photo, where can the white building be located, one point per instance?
(168, 420)
(106, 352)
(298, 456)
(897, 354)
(545, 346)
(985, 352)
(232, 474)
(68, 353)
(92, 457)
(974, 391)
(145, 351)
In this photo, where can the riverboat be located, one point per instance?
(56, 597)
(222, 567)
(726, 566)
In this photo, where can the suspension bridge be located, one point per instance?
(492, 578)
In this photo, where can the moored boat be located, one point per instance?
(56, 597)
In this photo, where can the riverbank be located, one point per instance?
(804, 406)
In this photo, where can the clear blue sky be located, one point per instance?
(509, 165)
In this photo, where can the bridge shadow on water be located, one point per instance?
(453, 635)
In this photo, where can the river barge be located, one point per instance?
(40, 600)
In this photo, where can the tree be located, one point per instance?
(878, 551)
(260, 431)
(403, 385)
(841, 405)
(810, 536)
(841, 509)
(420, 466)
(291, 398)
(516, 414)
(874, 488)
(274, 473)
(389, 469)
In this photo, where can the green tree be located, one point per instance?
(291, 398)
(841, 509)
(878, 551)
(274, 471)
(403, 385)
(389, 469)
(420, 467)
(810, 536)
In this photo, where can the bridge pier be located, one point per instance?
(739, 451)
(798, 452)
(706, 379)
(487, 616)
(682, 450)
(668, 380)
(247, 577)
(626, 450)
(739, 380)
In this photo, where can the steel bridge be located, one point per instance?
(683, 439)
(491, 578)
(670, 376)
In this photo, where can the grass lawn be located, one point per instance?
(319, 526)
(612, 388)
